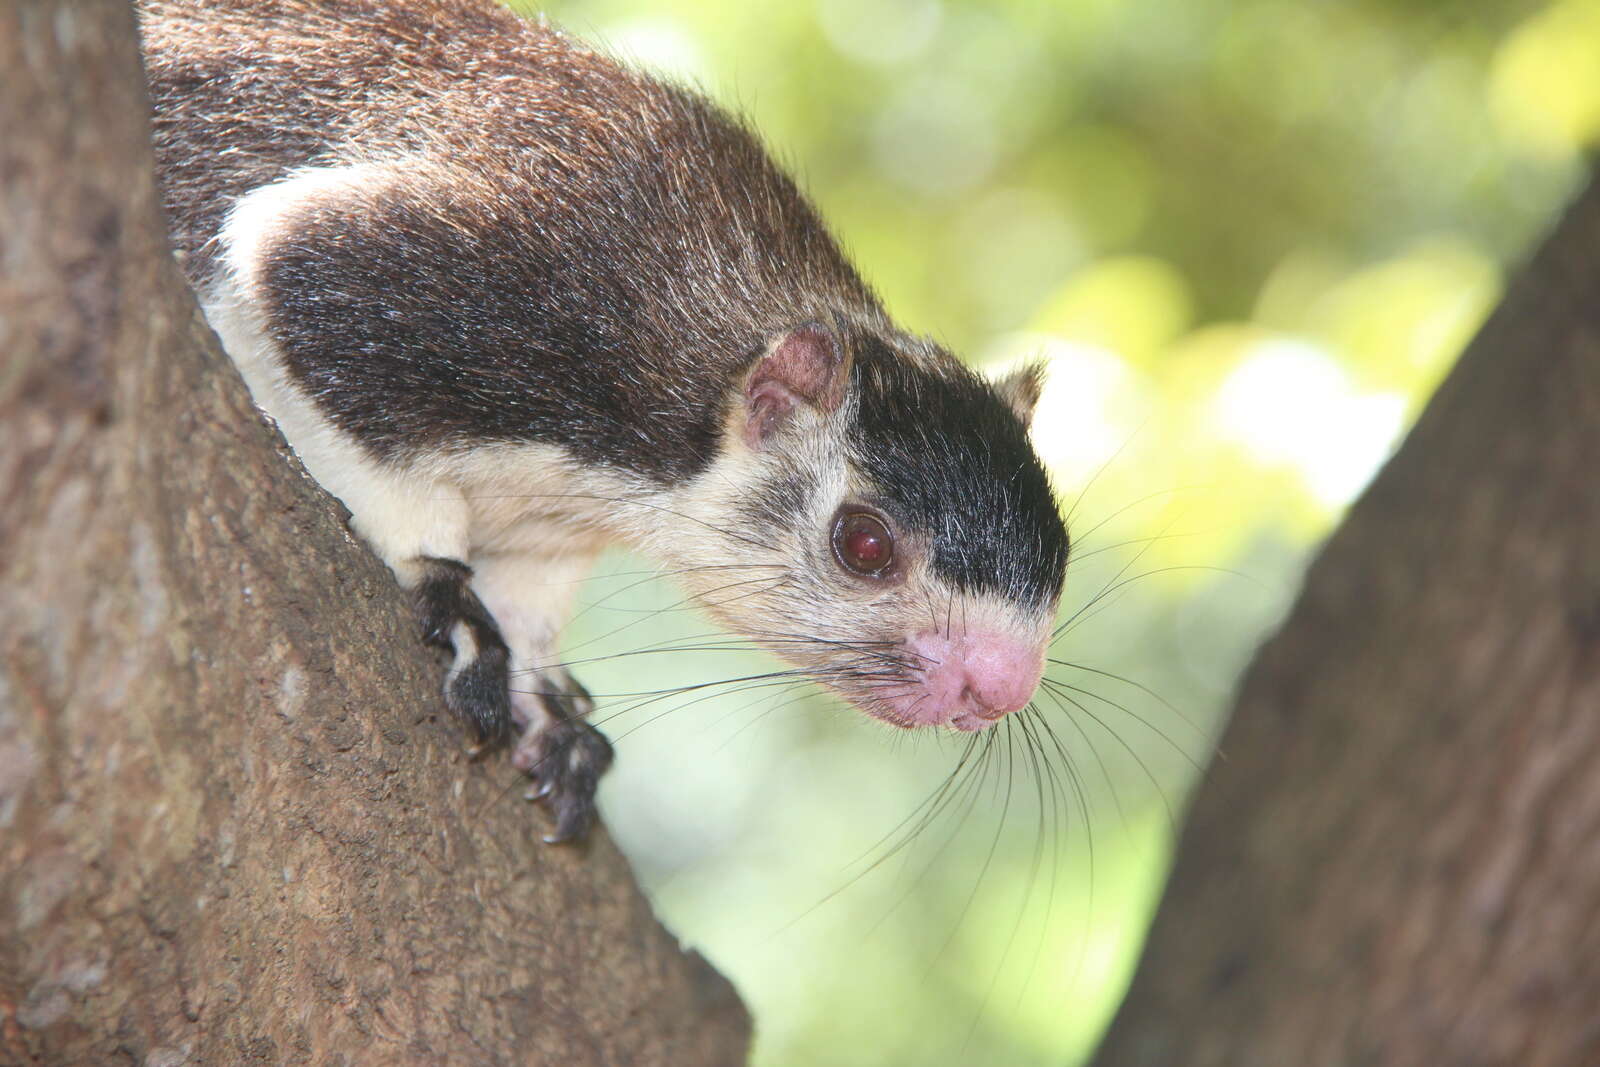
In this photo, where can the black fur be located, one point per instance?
(949, 457)
(769, 510)
(478, 694)
(414, 336)
(562, 249)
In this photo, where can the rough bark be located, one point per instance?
(1396, 860)
(234, 823)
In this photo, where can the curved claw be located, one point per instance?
(566, 758)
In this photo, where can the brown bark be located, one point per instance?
(234, 824)
(1397, 861)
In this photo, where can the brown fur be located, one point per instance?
(552, 186)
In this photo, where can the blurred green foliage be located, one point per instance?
(1249, 236)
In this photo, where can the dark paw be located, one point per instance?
(475, 690)
(453, 618)
(565, 759)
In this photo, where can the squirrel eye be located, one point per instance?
(863, 544)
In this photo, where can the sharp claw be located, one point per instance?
(572, 823)
(565, 833)
(564, 761)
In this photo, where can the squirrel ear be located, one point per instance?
(1021, 388)
(807, 366)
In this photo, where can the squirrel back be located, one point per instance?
(558, 245)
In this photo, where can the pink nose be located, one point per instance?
(969, 680)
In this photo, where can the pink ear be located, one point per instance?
(808, 366)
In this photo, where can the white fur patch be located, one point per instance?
(402, 513)
(466, 649)
(527, 517)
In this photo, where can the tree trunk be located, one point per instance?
(1395, 860)
(234, 823)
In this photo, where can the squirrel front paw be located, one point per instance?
(453, 618)
(563, 756)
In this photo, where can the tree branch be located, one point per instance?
(1394, 862)
(235, 824)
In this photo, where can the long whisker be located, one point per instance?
(1005, 809)
(1083, 490)
(628, 501)
(685, 603)
(1140, 719)
(1146, 690)
(1078, 787)
(1172, 820)
(933, 803)
(1111, 583)
(1079, 616)
(1094, 750)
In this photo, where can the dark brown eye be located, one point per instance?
(863, 544)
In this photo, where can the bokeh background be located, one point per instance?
(1249, 237)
